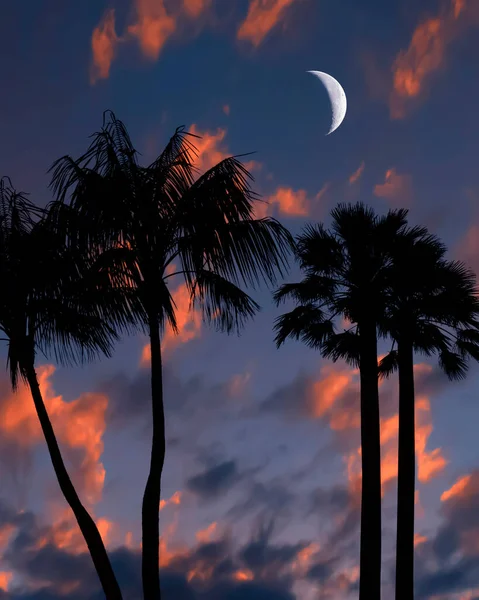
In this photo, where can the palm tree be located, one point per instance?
(159, 215)
(432, 308)
(49, 304)
(345, 270)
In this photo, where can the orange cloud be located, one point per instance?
(194, 8)
(207, 534)
(174, 500)
(304, 558)
(243, 575)
(226, 109)
(426, 53)
(294, 203)
(5, 578)
(419, 539)
(211, 149)
(396, 187)
(327, 394)
(188, 321)
(458, 489)
(357, 174)
(153, 27)
(262, 17)
(290, 202)
(103, 43)
(79, 426)
(430, 463)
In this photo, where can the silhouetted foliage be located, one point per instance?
(346, 276)
(165, 220)
(52, 303)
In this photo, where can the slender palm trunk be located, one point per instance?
(151, 498)
(85, 522)
(370, 553)
(406, 475)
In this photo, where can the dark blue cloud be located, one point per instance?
(268, 562)
(214, 481)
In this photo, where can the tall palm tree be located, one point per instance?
(432, 308)
(345, 270)
(49, 304)
(159, 215)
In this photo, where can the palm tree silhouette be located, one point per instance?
(49, 303)
(158, 215)
(345, 275)
(432, 308)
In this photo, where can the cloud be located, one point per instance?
(467, 249)
(396, 187)
(175, 500)
(259, 569)
(188, 321)
(357, 174)
(449, 563)
(288, 202)
(262, 17)
(194, 8)
(153, 27)
(210, 148)
(414, 67)
(103, 43)
(79, 426)
(214, 481)
(274, 498)
(333, 397)
(226, 109)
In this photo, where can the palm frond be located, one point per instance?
(248, 251)
(307, 323)
(388, 364)
(453, 364)
(222, 302)
(319, 252)
(313, 288)
(344, 345)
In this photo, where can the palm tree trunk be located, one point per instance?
(151, 498)
(85, 522)
(370, 553)
(406, 475)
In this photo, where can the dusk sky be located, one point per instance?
(261, 488)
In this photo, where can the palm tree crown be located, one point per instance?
(162, 217)
(346, 272)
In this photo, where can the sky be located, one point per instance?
(261, 488)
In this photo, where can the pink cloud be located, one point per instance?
(397, 187)
(262, 17)
(153, 26)
(103, 43)
(414, 67)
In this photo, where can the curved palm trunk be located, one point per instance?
(151, 498)
(85, 522)
(370, 553)
(406, 475)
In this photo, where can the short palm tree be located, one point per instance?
(49, 304)
(432, 308)
(159, 215)
(345, 272)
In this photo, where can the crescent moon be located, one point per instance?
(337, 98)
